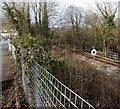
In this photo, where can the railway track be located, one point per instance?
(96, 57)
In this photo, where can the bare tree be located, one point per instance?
(92, 25)
(74, 18)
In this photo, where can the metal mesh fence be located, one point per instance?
(113, 55)
(53, 92)
(42, 89)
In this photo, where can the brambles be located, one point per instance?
(36, 50)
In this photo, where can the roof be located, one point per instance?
(4, 34)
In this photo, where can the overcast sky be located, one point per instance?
(83, 3)
(86, 4)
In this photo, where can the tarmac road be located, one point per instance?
(3, 59)
(3, 65)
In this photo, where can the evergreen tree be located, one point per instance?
(45, 21)
(109, 26)
(19, 16)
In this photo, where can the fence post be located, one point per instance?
(25, 79)
(11, 48)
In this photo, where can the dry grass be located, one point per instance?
(100, 89)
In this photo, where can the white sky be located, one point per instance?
(86, 4)
(83, 3)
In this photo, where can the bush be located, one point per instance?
(36, 50)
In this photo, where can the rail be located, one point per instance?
(96, 57)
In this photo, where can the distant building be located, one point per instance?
(14, 35)
(5, 34)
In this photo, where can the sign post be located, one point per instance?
(93, 52)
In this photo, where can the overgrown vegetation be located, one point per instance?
(40, 29)
(97, 87)
(35, 49)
